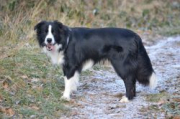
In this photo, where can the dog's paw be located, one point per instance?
(63, 98)
(124, 99)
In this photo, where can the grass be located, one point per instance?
(157, 97)
(163, 102)
(29, 84)
(33, 85)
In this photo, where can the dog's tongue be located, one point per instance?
(50, 47)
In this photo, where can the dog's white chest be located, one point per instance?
(56, 57)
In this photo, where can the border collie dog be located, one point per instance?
(77, 49)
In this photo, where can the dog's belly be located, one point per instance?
(87, 64)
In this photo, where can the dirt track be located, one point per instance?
(98, 97)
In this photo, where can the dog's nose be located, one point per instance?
(49, 40)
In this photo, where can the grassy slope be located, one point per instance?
(30, 85)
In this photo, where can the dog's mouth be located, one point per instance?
(50, 47)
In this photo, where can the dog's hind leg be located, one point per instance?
(130, 84)
(127, 72)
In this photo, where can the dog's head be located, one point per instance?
(52, 35)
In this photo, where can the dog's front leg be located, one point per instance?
(71, 83)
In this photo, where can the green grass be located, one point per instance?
(32, 80)
(157, 97)
(163, 102)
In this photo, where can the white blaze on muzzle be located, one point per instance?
(50, 35)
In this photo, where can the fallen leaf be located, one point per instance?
(161, 102)
(34, 107)
(2, 109)
(5, 84)
(176, 117)
(177, 99)
(24, 76)
(7, 111)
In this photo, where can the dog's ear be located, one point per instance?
(39, 25)
(61, 27)
(59, 24)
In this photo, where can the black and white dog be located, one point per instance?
(78, 49)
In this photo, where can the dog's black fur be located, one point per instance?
(122, 47)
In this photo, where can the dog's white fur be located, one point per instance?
(153, 81)
(124, 99)
(50, 35)
(87, 65)
(56, 57)
(70, 86)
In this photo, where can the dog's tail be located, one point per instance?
(145, 72)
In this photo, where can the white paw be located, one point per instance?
(124, 99)
(65, 98)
